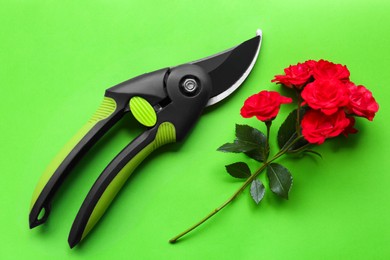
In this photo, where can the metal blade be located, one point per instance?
(229, 69)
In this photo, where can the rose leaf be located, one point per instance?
(257, 190)
(238, 170)
(288, 131)
(280, 179)
(237, 147)
(249, 135)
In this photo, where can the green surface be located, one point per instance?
(166, 134)
(58, 57)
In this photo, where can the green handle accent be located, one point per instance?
(166, 134)
(106, 108)
(143, 111)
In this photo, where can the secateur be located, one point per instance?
(168, 102)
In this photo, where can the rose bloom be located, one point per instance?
(361, 101)
(264, 105)
(317, 127)
(311, 64)
(326, 95)
(296, 76)
(350, 128)
(326, 70)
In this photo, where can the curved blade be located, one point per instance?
(229, 69)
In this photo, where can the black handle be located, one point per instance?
(114, 176)
(104, 118)
(174, 120)
(115, 104)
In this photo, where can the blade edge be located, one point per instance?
(239, 82)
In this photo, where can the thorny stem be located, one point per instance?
(235, 195)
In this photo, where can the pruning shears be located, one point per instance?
(168, 102)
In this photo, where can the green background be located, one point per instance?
(58, 57)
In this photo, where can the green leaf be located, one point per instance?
(251, 136)
(238, 170)
(280, 179)
(257, 154)
(288, 130)
(237, 147)
(257, 190)
(246, 133)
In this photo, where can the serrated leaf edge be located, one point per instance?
(256, 184)
(280, 183)
(247, 173)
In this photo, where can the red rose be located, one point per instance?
(361, 101)
(264, 105)
(311, 64)
(326, 95)
(316, 126)
(296, 76)
(325, 70)
(350, 128)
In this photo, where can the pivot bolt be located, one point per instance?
(190, 86)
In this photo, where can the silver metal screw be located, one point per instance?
(190, 85)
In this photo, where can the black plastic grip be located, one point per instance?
(61, 166)
(114, 176)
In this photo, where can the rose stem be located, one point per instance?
(246, 183)
(298, 125)
(268, 124)
(215, 211)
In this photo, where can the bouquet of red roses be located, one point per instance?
(327, 103)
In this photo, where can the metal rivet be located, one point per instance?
(190, 85)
